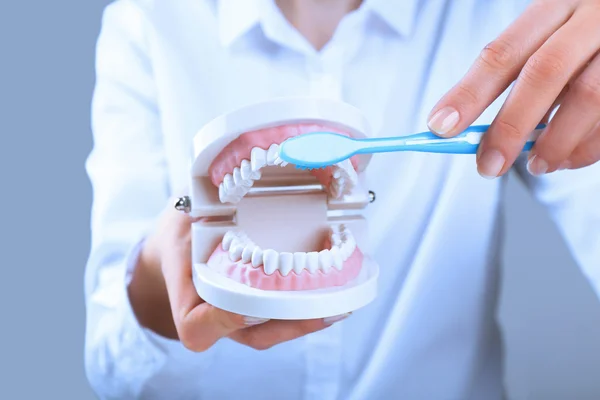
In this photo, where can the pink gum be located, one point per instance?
(257, 278)
(233, 154)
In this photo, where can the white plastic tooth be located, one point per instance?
(235, 252)
(348, 247)
(325, 260)
(239, 179)
(247, 252)
(334, 189)
(335, 239)
(257, 257)
(345, 251)
(270, 261)
(272, 154)
(246, 169)
(228, 239)
(342, 251)
(235, 240)
(343, 233)
(312, 261)
(336, 257)
(286, 263)
(299, 262)
(229, 183)
(233, 198)
(247, 173)
(222, 193)
(279, 161)
(240, 191)
(345, 178)
(258, 159)
(350, 172)
(237, 176)
(350, 240)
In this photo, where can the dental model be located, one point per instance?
(273, 241)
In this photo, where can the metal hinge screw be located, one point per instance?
(183, 204)
(371, 196)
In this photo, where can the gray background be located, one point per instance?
(550, 317)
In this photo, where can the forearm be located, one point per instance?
(148, 295)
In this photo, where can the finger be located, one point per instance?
(586, 153)
(274, 332)
(175, 250)
(497, 66)
(577, 116)
(546, 119)
(199, 325)
(542, 79)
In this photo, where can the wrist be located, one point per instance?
(148, 293)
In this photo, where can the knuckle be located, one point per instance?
(467, 94)
(192, 343)
(587, 88)
(499, 55)
(546, 67)
(509, 131)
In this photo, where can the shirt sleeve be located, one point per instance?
(128, 173)
(573, 199)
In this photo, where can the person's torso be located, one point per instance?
(430, 334)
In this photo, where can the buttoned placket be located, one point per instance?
(324, 72)
(323, 350)
(325, 75)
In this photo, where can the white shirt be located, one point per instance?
(167, 67)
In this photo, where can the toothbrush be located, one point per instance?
(321, 149)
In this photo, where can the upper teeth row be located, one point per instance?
(238, 183)
(240, 247)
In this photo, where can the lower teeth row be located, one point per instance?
(240, 247)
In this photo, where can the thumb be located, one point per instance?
(203, 326)
(199, 325)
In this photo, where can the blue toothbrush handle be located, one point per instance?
(466, 142)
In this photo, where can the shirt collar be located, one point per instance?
(236, 17)
(400, 15)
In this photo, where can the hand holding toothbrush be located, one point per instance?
(553, 53)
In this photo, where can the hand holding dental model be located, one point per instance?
(197, 324)
(552, 50)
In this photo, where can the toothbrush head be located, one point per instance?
(317, 149)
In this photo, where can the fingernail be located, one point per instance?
(443, 121)
(564, 165)
(334, 319)
(491, 163)
(537, 166)
(251, 321)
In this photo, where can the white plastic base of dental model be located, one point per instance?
(238, 298)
